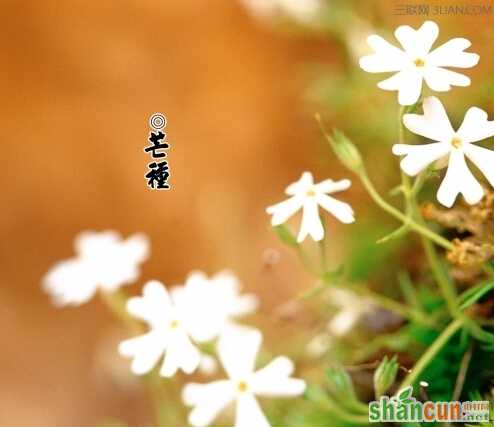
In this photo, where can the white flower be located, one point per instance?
(104, 261)
(309, 196)
(217, 301)
(238, 353)
(197, 312)
(416, 62)
(171, 330)
(301, 10)
(435, 125)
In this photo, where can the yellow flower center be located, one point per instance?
(242, 387)
(419, 62)
(456, 142)
(311, 193)
(174, 324)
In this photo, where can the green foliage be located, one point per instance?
(472, 295)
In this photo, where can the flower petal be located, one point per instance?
(417, 43)
(284, 210)
(418, 157)
(343, 321)
(475, 126)
(450, 54)
(329, 186)
(459, 179)
(386, 58)
(237, 351)
(311, 222)
(154, 307)
(433, 124)
(137, 248)
(483, 159)
(301, 186)
(249, 413)
(441, 80)
(90, 244)
(180, 354)
(407, 82)
(70, 283)
(145, 349)
(208, 401)
(342, 211)
(274, 380)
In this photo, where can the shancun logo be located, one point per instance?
(405, 408)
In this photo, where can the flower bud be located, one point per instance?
(346, 151)
(385, 375)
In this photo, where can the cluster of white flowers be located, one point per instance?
(413, 65)
(417, 63)
(180, 320)
(197, 312)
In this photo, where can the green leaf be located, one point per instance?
(405, 394)
(472, 295)
(285, 235)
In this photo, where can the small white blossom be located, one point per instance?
(238, 353)
(309, 196)
(352, 308)
(217, 301)
(435, 125)
(318, 345)
(417, 63)
(300, 10)
(171, 323)
(104, 262)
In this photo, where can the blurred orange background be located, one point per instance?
(79, 80)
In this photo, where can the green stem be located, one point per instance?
(116, 302)
(431, 352)
(424, 231)
(462, 373)
(447, 288)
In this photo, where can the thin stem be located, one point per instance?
(424, 231)
(431, 352)
(447, 288)
(462, 373)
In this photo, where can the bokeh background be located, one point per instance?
(79, 80)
